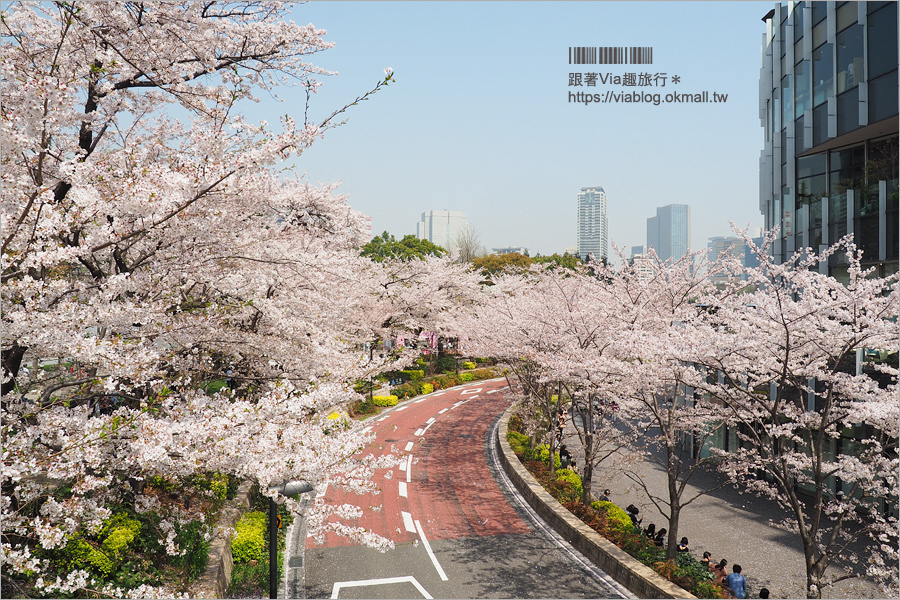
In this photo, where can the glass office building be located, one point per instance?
(669, 232)
(592, 225)
(828, 103)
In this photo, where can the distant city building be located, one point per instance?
(669, 232)
(720, 246)
(828, 103)
(643, 266)
(511, 250)
(573, 250)
(638, 250)
(442, 227)
(592, 228)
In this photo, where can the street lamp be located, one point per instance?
(289, 488)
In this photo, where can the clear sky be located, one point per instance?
(479, 119)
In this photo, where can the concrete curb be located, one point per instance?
(217, 576)
(640, 579)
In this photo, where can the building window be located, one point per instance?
(820, 124)
(823, 74)
(801, 93)
(798, 21)
(846, 15)
(848, 111)
(819, 12)
(882, 26)
(883, 97)
(787, 105)
(799, 138)
(849, 58)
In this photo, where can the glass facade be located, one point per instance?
(830, 109)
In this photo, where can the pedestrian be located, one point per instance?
(706, 560)
(561, 426)
(764, 593)
(650, 532)
(683, 545)
(565, 457)
(719, 571)
(605, 496)
(737, 583)
(633, 511)
(660, 538)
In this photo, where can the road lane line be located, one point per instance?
(382, 418)
(497, 390)
(408, 521)
(403, 489)
(427, 427)
(430, 421)
(409, 469)
(440, 412)
(438, 394)
(419, 432)
(403, 465)
(338, 585)
(399, 408)
(430, 552)
(409, 446)
(420, 400)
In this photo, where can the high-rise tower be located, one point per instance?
(592, 229)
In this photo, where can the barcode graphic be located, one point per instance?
(610, 55)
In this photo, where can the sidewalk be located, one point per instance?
(730, 525)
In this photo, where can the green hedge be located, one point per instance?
(426, 388)
(385, 400)
(570, 477)
(249, 543)
(413, 374)
(465, 377)
(617, 517)
(519, 442)
(469, 365)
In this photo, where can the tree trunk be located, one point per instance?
(12, 361)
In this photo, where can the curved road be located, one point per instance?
(459, 531)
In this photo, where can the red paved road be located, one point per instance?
(450, 490)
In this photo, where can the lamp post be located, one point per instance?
(289, 488)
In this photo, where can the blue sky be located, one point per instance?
(479, 118)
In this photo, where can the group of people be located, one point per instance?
(734, 583)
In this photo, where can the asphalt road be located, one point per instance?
(459, 530)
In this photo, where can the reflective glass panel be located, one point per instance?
(849, 58)
(823, 74)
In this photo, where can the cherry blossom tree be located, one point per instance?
(808, 418)
(148, 241)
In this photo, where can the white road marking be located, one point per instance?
(440, 412)
(430, 421)
(470, 391)
(430, 552)
(409, 446)
(382, 418)
(420, 400)
(409, 469)
(402, 488)
(403, 465)
(498, 389)
(427, 427)
(439, 394)
(408, 521)
(338, 585)
(419, 432)
(399, 408)
(367, 429)
(321, 493)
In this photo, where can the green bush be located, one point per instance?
(445, 364)
(469, 365)
(191, 538)
(249, 542)
(465, 377)
(617, 518)
(542, 453)
(406, 390)
(519, 442)
(479, 374)
(426, 388)
(413, 374)
(385, 400)
(571, 477)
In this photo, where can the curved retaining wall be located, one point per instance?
(640, 579)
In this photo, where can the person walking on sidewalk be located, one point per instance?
(737, 583)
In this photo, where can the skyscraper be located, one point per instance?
(442, 227)
(592, 229)
(828, 103)
(669, 232)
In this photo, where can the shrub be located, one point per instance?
(403, 391)
(469, 365)
(465, 377)
(385, 400)
(542, 453)
(570, 477)
(191, 538)
(426, 388)
(515, 422)
(519, 442)
(249, 543)
(445, 364)
(413, 374)
(479, 374)
(618, 518)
